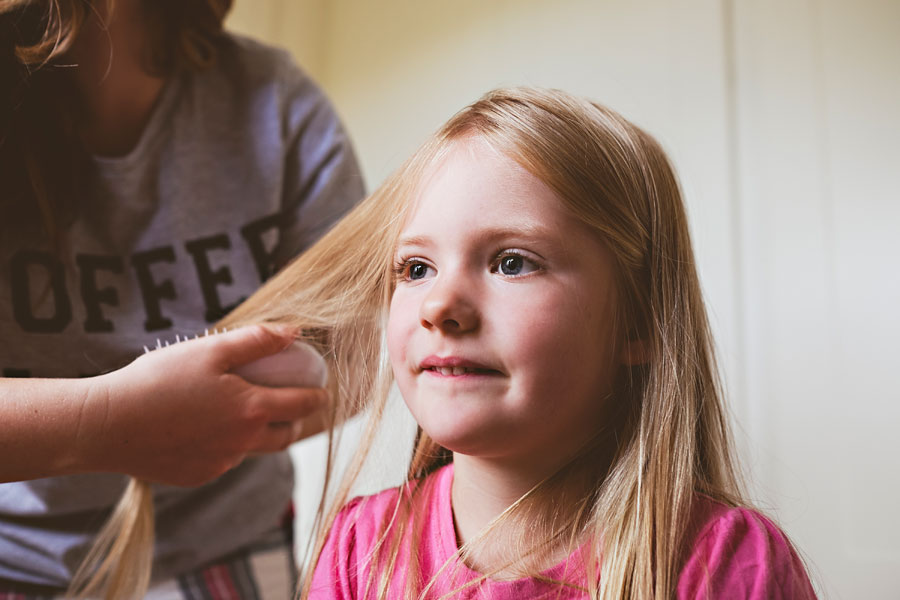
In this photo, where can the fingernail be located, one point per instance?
(284, 330)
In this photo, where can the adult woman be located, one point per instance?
(154, 171)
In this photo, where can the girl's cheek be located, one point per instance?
(398, 329)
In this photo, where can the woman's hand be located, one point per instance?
(179, 416)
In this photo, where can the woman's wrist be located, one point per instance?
(90, 410)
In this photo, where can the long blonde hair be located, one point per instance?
(672, 437)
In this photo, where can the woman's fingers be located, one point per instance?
(246, 344)
(293, 414)
(281, 405)
(275, 437)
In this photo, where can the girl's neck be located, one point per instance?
(484, 488)
(117, 93)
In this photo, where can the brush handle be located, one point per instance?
(297, 365)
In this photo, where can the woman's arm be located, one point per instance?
(176, 415)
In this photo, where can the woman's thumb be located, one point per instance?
(246, 344)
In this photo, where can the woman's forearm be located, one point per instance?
(177, 415)
(44, 426)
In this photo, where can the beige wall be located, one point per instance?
(782, 120)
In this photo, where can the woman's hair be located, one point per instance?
(43, 165)
(671, 434)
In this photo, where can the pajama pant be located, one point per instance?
(263, 572)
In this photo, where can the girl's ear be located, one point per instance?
(635, 352)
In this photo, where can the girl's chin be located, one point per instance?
(474, 443)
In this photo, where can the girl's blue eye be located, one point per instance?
(417, 271)
(512, 265)
(412, 269)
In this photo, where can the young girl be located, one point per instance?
(531, 272)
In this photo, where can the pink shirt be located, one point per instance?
(737, 553)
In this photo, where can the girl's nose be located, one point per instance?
(448, 307)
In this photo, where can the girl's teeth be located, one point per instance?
(448, 371)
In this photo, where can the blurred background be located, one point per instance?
(783, 120)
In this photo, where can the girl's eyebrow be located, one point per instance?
(526, 232)
(413, 240)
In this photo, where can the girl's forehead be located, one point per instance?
(448, 153)
(461, 160)
(473, 190)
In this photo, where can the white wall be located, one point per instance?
(818, 105)
(782, 120)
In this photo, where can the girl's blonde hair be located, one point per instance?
(671, 431)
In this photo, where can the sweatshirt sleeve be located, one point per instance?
(740, 554)
(322, 180)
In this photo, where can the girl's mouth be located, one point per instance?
(455, 366)
(457, 371)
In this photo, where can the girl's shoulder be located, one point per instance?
(738, 552)
(366, 512)
(362, 518)
(360, 527)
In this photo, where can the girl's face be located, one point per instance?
(501, 323)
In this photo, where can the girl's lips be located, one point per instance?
(458, 371)
(454, 366)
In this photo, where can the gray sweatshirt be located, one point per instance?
(241, 167)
